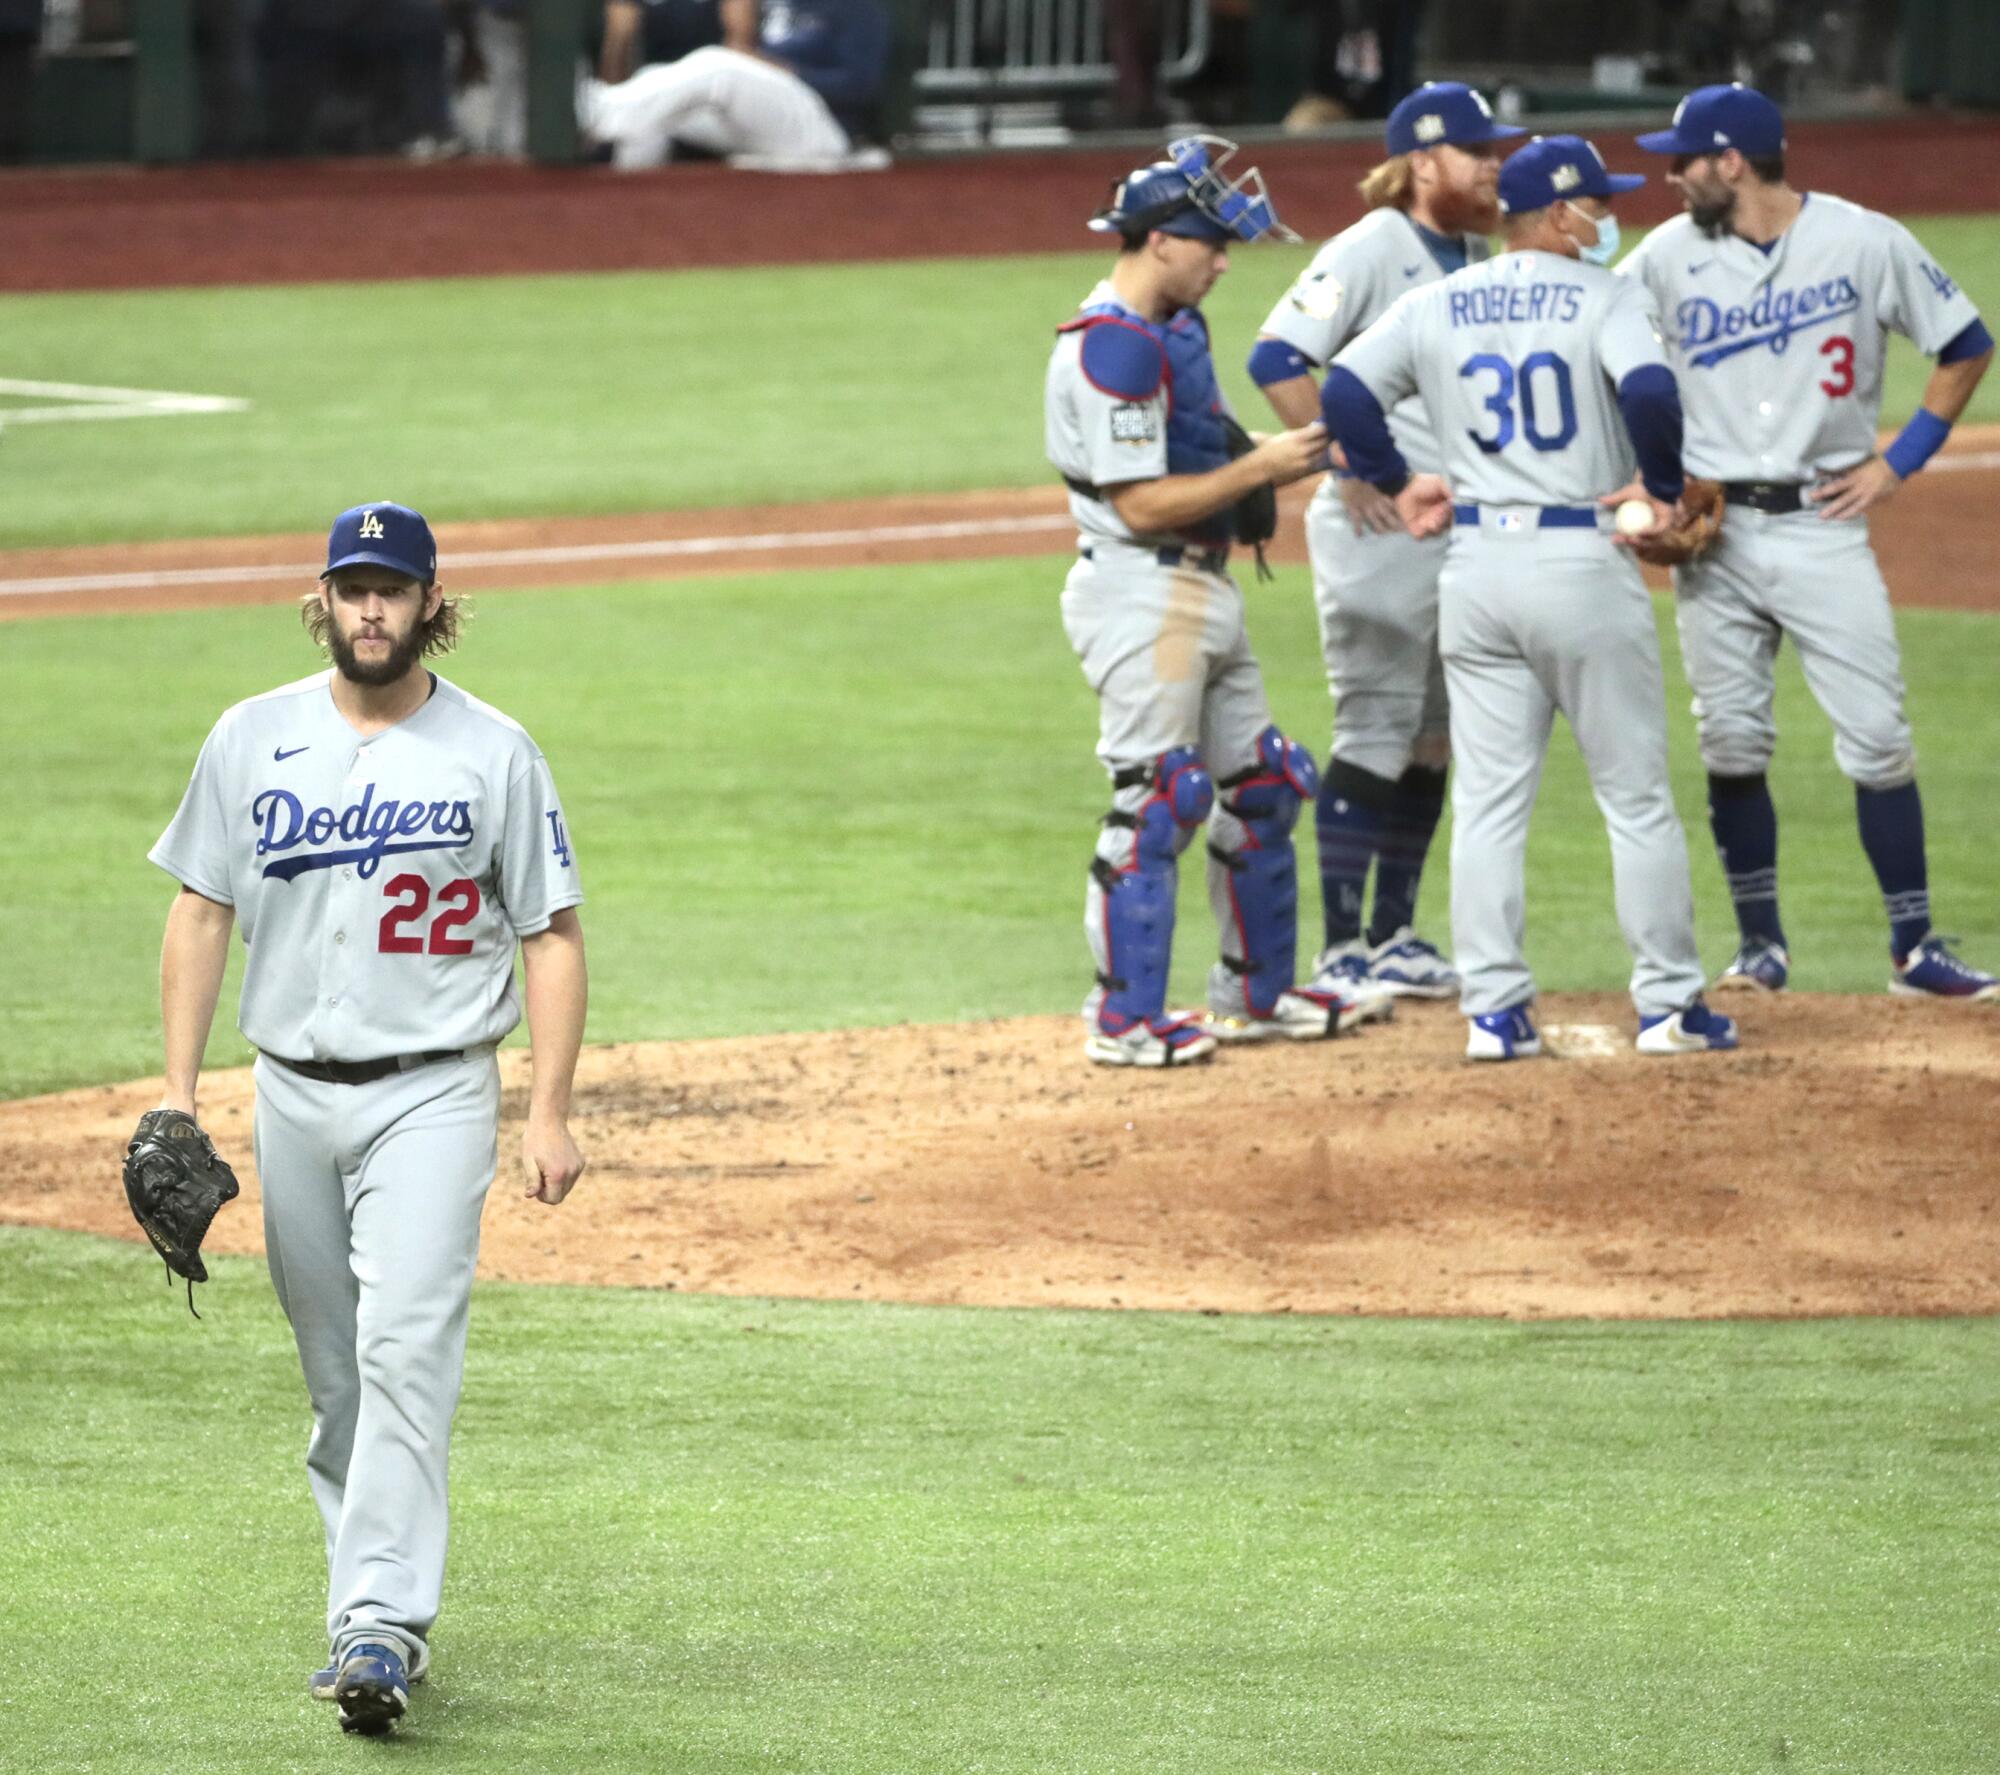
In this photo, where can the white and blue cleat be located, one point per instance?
(1761, 965)
(1411, 968)
(1502, 1035)
(1931, 971)
(1693, 1029)
(372, 1688)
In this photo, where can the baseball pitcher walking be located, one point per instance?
(1541, 373)
(1778, 305)
(385, 841)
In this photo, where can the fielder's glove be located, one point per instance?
(176, 1182)
(1681, 543)
(1253, 518)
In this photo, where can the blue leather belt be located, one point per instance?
(1208, 560)
(1550, 517)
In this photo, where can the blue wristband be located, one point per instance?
(1917, 443)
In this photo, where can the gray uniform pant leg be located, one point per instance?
(372, 1199)
(1794, 574)
(1377, 598)
(1528, 628)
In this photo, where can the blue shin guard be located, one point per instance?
(1253, 880)
(1129, 912)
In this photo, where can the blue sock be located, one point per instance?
(1350, 833)
(1892, 833)
(1407, 828)
(1745, 824)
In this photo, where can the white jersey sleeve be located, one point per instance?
(535, 870)
(1385, 356)
(1336, 297)
(194, 849)
(1915, 297)
(1098, 436)
(1630, 338)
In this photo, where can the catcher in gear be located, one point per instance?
(177, 1183)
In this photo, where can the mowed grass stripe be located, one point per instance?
(511, 397)
(807, 801)
(736, 1536)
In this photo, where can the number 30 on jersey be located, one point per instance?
(1541, 391)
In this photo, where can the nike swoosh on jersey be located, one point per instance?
(1697, 270)
(1412, 270)
(280, 755)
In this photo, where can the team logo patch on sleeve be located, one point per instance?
(1134, 422)
(1318, 295)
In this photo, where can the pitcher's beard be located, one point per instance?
(1714, 217)
(391, 666)
(1465, 212)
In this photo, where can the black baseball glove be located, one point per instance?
(1254, 517)
(176, 1182)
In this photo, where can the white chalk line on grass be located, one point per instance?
(91, 400)
(556, 556)
(667, 548)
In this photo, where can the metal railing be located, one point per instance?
(996, 48)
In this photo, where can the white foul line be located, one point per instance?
(679, 547)
(666, 548)
(91, 400)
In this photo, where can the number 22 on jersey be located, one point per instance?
(459, 903)
(1541, 391)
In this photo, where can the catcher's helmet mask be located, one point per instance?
(1191, 193)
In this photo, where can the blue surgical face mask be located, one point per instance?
(1606, 248)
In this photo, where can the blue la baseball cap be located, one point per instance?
(383, 535)
(1712, 118)
(1553, 169)
(1442, 111)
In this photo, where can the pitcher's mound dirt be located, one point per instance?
(1843, 1162)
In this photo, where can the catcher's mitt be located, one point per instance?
(176, 1181)
(1702, 501)
(1253, 519)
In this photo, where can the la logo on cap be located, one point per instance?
(371, 527)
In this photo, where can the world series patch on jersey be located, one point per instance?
(381, 881)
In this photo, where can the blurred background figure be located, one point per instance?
(356, 76)
(1362, 58)
(20, 36)
(794, 85)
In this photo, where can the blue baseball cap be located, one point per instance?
(1554, 169)
(383, 535)
(1712, 118)
(1442, 111)
(1191, 194)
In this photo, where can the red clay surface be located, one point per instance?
(334, 221)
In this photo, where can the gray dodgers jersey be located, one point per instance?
(1093, 435)
(1517, 362)
(380, 882)
(1347, 288)
(1779, 354)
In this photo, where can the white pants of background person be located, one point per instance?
(493, 116)
(717, 99)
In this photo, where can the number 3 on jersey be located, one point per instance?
(1540, 368)
(412, 895)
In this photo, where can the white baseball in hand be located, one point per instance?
(1632, 516)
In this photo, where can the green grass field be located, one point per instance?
(489, 397)
(864, 796)
(733, 1536)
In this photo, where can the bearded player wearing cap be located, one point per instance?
(1139, 430)
(1778, 305)
(1431, 204)
(1543, 378)
(388, 842)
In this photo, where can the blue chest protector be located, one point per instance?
(1122, 364)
